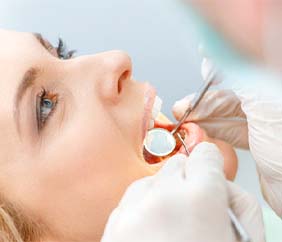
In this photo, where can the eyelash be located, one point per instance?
(44, 95)
(41, 115)
(63, 52)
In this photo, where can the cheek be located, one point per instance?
(86, 149)
(83, 168)
(90, 153)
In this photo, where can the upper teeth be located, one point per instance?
(156, 107)
(155, 110)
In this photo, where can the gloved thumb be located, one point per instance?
(204, 169)
(136, 192)
(207, 187)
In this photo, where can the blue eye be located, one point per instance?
(47, 103)
(44, 107)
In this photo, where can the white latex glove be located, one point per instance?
(186, 200)
(245, 119)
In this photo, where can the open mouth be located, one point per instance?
(191, 133)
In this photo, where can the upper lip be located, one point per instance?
(149, 97)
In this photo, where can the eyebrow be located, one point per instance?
(26, 82)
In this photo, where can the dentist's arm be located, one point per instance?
(187, 200)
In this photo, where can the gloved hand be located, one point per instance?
(245, 118)
(186, 200)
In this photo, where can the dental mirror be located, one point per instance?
(159, 142)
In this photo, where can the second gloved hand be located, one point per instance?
(187, 200)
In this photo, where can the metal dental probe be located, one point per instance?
(196, 100)
(241, 233)
(183, 143)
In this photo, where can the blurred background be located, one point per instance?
(156, 34)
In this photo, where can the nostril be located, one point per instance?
(123, 77)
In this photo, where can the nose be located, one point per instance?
(117, 70)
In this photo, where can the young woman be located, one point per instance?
(72, 139)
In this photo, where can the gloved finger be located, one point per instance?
(215, 104)
(172, 169)
(205, 168)
(205, 179)
(136, 192)
(248, 211)
(219, 113)
(234, 132)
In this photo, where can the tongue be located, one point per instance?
(193, 136)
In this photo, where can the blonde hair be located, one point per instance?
(16, 227)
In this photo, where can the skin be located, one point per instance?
(73, 172)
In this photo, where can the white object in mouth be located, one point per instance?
(157, 106)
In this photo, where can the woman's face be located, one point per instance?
(72, 132)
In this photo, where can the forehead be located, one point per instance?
(17, 48)
(12, 41)
(18, 52)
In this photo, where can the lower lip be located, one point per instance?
(150, 94)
